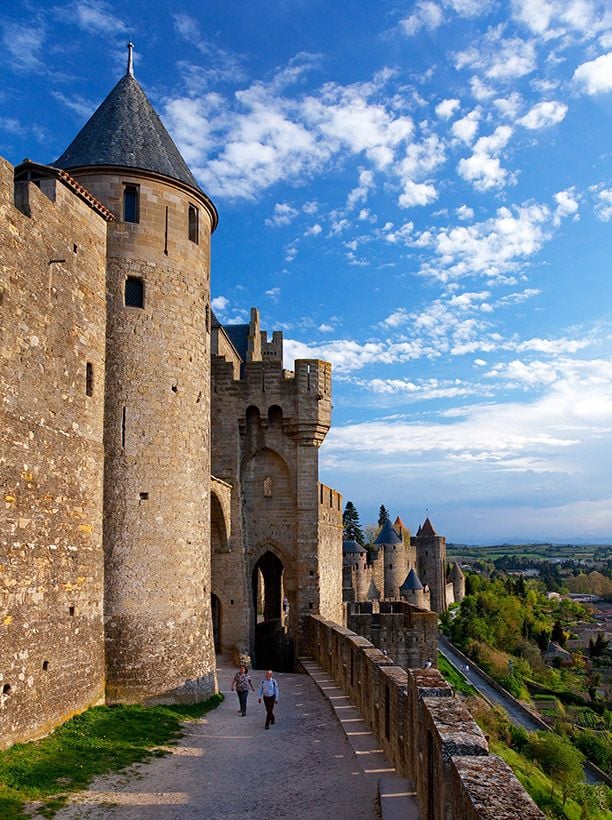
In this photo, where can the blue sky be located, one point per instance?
(419, 193)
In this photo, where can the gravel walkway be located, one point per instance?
(228, 766)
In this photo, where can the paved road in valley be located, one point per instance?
(517, 715)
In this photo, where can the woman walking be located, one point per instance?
(241, 684)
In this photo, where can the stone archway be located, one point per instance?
(273, 646)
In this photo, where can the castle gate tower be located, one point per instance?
(158, 628)
(267, 426)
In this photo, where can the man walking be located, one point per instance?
(268, 690)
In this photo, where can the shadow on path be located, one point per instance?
(228, 766)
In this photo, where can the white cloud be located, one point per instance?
(219, 303)
(595, 77)
(603, 208)
(465, 129)
(360, 193)
(564, 18)
(492, 248)
(544, 114)
(483, 169)
(273, 293)
(23, 44)
(417, 193)
(221, 64)
(567, 205)
(447, 108)
(499, 58)
(427, 15)
(96, 17)
(509, 106)
(314, 230)
(573, 411)
(465, 213)
(325, 327)
(284, 214)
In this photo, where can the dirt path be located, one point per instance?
(228, 766)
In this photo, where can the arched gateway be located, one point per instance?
(273, 646)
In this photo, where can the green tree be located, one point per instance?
(598, 646)
(350, 523)
(558, 635)
(559, 759)
(383, 515)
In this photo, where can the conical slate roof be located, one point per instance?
(126, 131)
(427, 528)
(349, 547)
(388, 535)
(411, 583)
(456, 572)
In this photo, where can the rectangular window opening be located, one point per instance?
(134, 292)
(143, 496)
(123, 427)
(131, 205)
(194, 227)
(89, 379)
(71, 611)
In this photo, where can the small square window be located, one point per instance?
(134, 292)
(131, 209)
(194, 224)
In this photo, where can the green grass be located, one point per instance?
(100, 740)
(452, 676)
(538, 785)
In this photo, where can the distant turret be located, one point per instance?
(413, 592)
(431, 563)
(394, 557)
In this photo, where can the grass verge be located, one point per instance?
(101, 740)
(455, 678)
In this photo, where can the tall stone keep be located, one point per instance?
(158, 628)
(431, 563)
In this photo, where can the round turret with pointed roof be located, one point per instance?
(351, 547)
(411, 583)
(125, 131)
(387, 535)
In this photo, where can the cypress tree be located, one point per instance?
(351, 525)
(383, 515)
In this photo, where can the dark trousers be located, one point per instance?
(269, 704)
(242, 697)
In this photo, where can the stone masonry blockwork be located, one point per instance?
(52, 325)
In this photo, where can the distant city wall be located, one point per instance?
(426, 733)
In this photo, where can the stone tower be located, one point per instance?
(280, 528)
(431, 563)
(458, 581)
(394, 558)
(413, 592)
(356, 575)
(158, 628)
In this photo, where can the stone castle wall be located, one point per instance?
(425, 732)
(52, 353)
(406, 634)
(330, 556)
(159, 641)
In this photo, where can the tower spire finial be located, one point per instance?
(130, 64)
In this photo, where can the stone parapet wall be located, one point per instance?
(52, 349)
(426, 733)
(407, 634)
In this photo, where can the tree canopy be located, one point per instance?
(383, 515)
(350, 524)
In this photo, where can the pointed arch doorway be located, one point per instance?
(273, 646)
